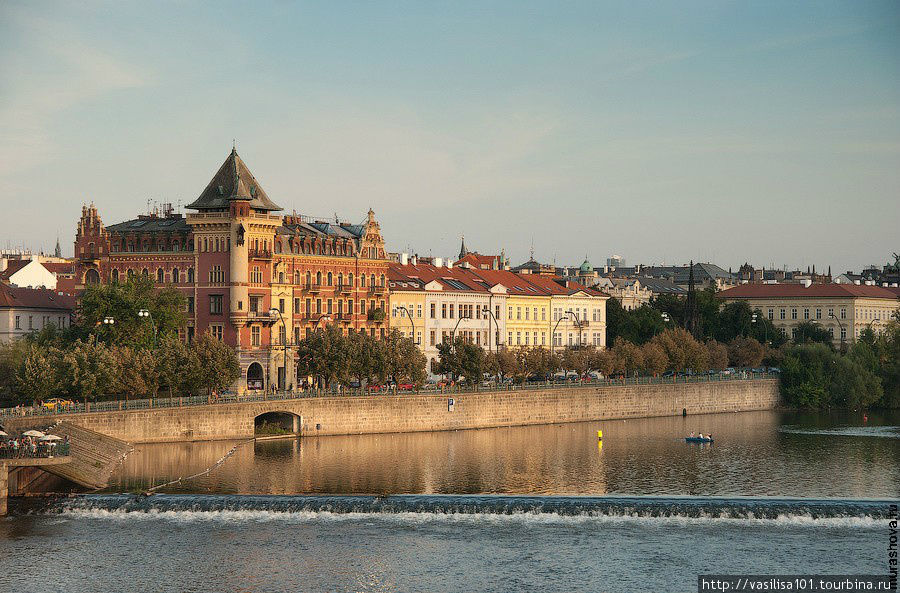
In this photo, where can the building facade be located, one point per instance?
(27, 310)
(256, 279)
(843, 310)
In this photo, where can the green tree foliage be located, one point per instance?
(461, 359)
(813, 375)
(637, 326)
(404, 362)
(122, 302)
(629, 358)
(214, 364)
(682, 350)
(40, 377)
(809, 332)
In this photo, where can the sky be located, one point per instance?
(766, 132)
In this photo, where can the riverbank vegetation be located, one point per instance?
(112, 351)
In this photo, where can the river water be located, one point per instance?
(545, 508)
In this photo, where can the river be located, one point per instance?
(542, 508)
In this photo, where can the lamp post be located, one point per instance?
(755, 319)
(578, 325)
(565, 315)
(412, 325)
(487, 310)
(275, 312)
(146, 313)
(109, 322)
(841, 326)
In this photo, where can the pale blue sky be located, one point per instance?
(722, 131)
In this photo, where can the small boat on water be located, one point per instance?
(698, 439)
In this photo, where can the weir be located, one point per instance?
(372, 414)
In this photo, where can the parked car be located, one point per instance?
(406, 387)
(57, 403)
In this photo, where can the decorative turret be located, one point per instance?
(233, 182)
(462, 248)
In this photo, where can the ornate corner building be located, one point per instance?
(258, 280)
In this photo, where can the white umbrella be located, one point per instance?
(3, 433)
(50, 437)
(32, 433)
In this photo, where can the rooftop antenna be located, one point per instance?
(532, 250)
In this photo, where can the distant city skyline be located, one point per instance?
(706, 132)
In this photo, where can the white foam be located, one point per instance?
(418, 518)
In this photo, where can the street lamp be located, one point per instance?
(412, 325)
(578, 324)
(841, 326)
(275, 312)
(146, 313)
(487, 311)
(553, 335)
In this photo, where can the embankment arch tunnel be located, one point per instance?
(276, 423)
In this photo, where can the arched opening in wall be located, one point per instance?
(276, 424)
(92, 277)
(255, 380)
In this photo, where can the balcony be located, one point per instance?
(377, 289)
(376, 315)
(312, 287)
(344, 288)
(259, 253)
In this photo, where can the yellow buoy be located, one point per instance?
(599, 435)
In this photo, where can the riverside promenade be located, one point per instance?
(319, 413)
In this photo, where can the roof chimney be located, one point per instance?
(404, 259)
(438, 262)
(415, 260)
(4, 263)
(806, 282)
(449, 263)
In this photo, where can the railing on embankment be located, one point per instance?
(226, 398)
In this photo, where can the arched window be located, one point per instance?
(205, 244)
(329, 278)
(373, 281)
(281, 277)
(145, 273)
(319, 278)
(362, 280)
(175, 275)
(350, 280)
(308, 278)
(340, 279)
(296, 276)
(160, 276)
(114, 275)
(92, 277)
(190, 275)
(130, 273)
(382, 280)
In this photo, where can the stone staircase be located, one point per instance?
(94, 456)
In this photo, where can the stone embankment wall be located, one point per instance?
(414, 413)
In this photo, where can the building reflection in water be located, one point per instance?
(645, 456)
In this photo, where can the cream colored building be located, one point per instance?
(843, 310)
(26, 310)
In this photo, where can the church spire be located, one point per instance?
(58, 251)
(462, 248)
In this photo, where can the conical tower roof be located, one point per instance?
(233, 181)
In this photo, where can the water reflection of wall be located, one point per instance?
(639, 456)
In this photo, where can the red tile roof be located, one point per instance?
(798, 291)
(60, 267)
(34, 298)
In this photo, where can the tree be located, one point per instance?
(173, 364)
(501, 363)
(717, 355)
(215, 364)
(805, 376)
(138, 372)
(577, 360)
(852, 384)
(808, 332)
(90, 369)
(603, 361)
(628, 356)
(637, 326)
(461, 358)
(12, 361)
(403, 360)
(655, 359)
(539, 362)
(325, 354)
(40, 378)
(745, 352)
(122, 302)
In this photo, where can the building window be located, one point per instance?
(843, 333)
(818, 313)
(160, 276)
(215, 304)
(794, 313)
(771, 314)
(18, 322)
(843, 313)
(175, 278)
(190, 275)
(115, 275)
(255, 303)
(190, 304)
(217, 331)
(433, 310)
(805, 313)
(254, 335)
(431, 337)
(296, 310)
